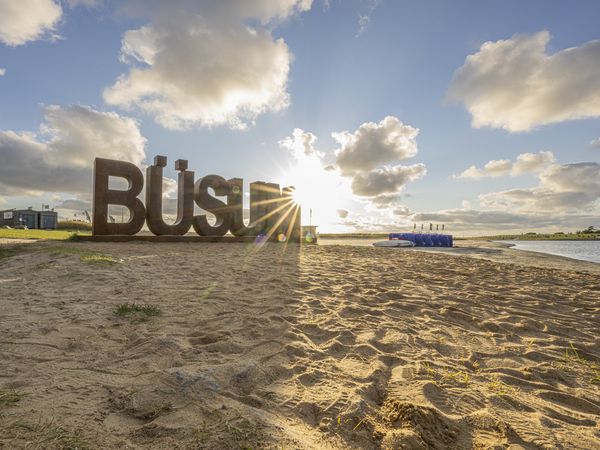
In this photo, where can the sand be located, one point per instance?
(331, 346)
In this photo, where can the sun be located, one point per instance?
(319, 192)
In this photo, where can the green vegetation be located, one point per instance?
(98, 259)
(134, 309)
(85, 255)
(8, 398)
(74, 225)
(572, 360)
(578, 236)
(45, 434)
(353, 235)
(55, 235)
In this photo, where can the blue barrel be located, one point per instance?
(450, 242)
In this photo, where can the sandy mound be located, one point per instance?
(319, 347)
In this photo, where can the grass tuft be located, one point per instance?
(131, 309)
(85, 255)
(98, 259)
(74, 237)
(45, 434)
(8, 398)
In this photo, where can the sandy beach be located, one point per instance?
(329, 346)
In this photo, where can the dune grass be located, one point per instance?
(136, 309)
(8, 398)
(54, 235)
(85, 255)
(45, 434)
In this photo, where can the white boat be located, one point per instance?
(394, 243)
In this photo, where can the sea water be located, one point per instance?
(584, 250)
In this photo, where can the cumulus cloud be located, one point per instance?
(517, 85)
(59, 157)
(205, 63)
(595, 143)
(23, 21)
(494, 221)
(373, 144)
(386, 179)
(300, 144)
(562, 188)
(525, 163)
(2, 71)
(367, 156)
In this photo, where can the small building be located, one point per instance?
(309, 234)
(30, 218)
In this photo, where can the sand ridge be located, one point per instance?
(312, 347)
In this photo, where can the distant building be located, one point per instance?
(30, 218)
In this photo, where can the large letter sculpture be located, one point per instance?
(213, 205)
(235, 206)
(185, 198)
(273, 213)
(104, 196)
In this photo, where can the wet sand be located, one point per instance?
(329, 346)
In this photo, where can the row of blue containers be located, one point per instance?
(425, 240)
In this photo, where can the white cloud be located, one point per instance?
(373, 144)
(516, 85)
(203, 63)
(475, 221)
(595, 143)
(59, 157)
(22, 21)
(2, 71)
(300, 144)
(365, 20)
(561, 189)
(386, 179)
(525, 163)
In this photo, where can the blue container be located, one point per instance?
(443, 240)
(450, 241)
(427, 240)
(419, 240)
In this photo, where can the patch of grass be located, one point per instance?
(98, 259)
(85, 255)
(132, 309)
(55, 235)
(573, 360)
(74, 225)
(158, 410)
(499, 387)
(74, 237)
(8, 398)
(45, 434)
(447, 376)
(7, 252)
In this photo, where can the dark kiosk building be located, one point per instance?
(46, 220)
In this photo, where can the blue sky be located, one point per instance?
(401, 65)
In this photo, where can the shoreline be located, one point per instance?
(497, 251)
